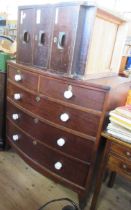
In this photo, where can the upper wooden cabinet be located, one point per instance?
(72, 39)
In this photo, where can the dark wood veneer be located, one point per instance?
(82, 96)
(80, 121)
(25, 39)
(87, 109)
(121, 151)
(42, 36)
(75, 146)
(72, 170)
(115, 157)
(117, 164)
(28, 79)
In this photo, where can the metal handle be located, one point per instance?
(36, 120)
(128, 154)
(34, 142)
(58, 165)
(61, 40)
(125, 167)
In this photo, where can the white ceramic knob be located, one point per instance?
(17, 96)
(58, 165)
(18, 77)
(64, 117)
(15, 116)
(68, 94)
(15, 137)
(60, 142)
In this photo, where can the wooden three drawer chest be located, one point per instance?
(116, 158)
(55, 122)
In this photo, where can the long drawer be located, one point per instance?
(72, 93)
(59, 164)
(74, 119)
(121, 151)
(63, 141)
(119, 165)
(24, 78)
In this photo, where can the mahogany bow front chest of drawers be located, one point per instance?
(54, 122)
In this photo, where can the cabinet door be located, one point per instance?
(64, 35)
(25, 35)
(42, 36)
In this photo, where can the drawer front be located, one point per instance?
(53, 161)
(63, 141)
(121, 151)
(75, 119)
(71, 93)
(24, 78)
(120, 166)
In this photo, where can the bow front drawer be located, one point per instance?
(120, 166)
(67, 91)
(61, 140)
(52, 161)
(121, 151)
(23, 78)
(77, 120)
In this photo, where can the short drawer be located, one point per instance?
(74, 119)
(65, 167)
(63, 141)
(120, 166)
(72, 93)
(121, 150)
(24, 78)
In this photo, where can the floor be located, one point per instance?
(22, 188)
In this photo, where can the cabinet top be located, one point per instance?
(103, 11)
(70, 3)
